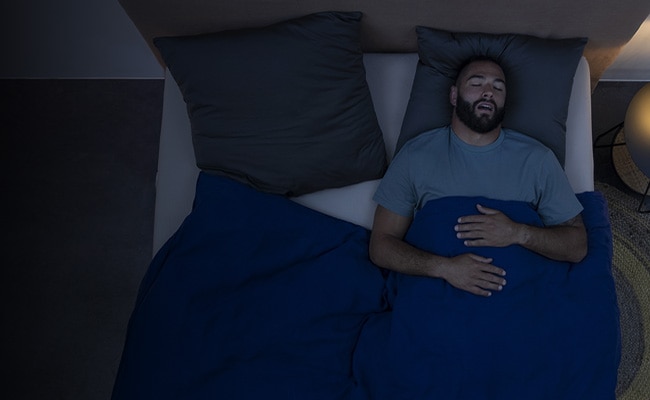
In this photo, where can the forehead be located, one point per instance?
(483, 68)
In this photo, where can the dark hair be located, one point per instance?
(472, 59)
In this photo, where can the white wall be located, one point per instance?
(633, 62)
(72, 39)
(96, 39)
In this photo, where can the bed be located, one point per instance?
(261, 285)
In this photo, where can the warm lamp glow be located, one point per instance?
(633, 62)
(637, 129)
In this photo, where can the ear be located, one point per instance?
(453, 95)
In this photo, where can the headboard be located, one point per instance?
(389, 25)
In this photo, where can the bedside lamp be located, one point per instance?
(637, 134)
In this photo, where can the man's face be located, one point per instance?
(474, 116)
(480, 96)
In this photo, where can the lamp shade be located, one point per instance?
(637, 129)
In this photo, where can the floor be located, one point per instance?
(78, 168)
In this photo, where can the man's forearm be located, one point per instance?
(492, 228)
(468, 272)
(396, 255)
(566, 242)
(388, 249)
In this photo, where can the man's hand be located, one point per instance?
(388, 249)
(474, 274)
(562, 242)
(490, 228)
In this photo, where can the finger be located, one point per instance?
(493, 282)
(481, 259)
(467, 226)
(491, 286)
(485, 210)
(471, 235)
(476, 242)
(474, 218)
(494, 270)
(479, 291)
(468, 233)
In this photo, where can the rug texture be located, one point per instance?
(631, 269)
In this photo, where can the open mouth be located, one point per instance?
(485, 106)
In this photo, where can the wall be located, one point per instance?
(96, 39)
(633, 62)
(72, 39)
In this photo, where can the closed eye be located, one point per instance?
(480, 80)
(476, 80)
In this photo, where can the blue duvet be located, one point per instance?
(257, 297)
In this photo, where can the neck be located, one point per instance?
(474, 138)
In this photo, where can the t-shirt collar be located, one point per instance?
(477, 149)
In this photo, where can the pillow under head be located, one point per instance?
(539, 74)
(284, 108)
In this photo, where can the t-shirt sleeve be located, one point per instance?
(557, 201)
(396, 190)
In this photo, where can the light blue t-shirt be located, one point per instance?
(516, 167)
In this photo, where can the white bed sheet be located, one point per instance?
(389, 76)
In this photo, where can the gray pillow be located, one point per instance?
(284, 108)
(539, 74)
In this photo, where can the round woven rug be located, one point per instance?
(625, 167)
(631, 270)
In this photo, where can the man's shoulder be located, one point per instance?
(426, 137)
(534, 150)
(524, 140)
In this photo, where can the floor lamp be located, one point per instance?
(632, 162)
(637, 134)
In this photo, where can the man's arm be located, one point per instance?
(563, 242)
(388, 250)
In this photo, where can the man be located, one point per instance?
(474, 156)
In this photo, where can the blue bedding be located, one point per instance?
(256, 296)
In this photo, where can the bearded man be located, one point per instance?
(475, 156)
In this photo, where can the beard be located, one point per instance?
(478, 123)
